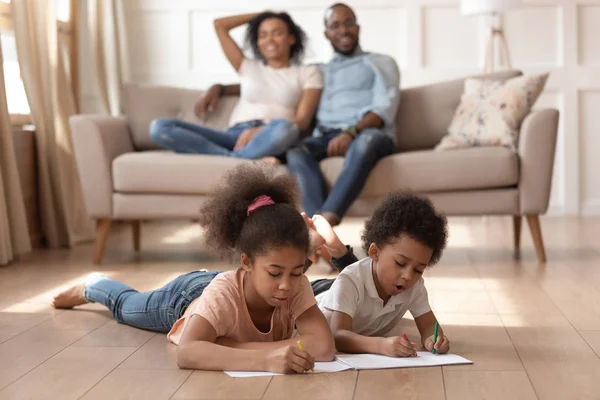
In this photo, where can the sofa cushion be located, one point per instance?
(425, 112)
(490, 112)
(431, 171)
(144, 103)
(165, 172)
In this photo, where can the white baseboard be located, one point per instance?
(555, 210)
(591, 207)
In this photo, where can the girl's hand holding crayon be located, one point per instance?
(398, 346)
(289, 360)
(442, 345)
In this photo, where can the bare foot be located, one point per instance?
(332, 218)
(70, 298)
(333, 243)
(74, 296)
(271, 160)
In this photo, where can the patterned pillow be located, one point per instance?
(490, 112)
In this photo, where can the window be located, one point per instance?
(63, 10)
(18, 107)
(15, 92)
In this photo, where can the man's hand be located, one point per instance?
(338, 146)
(208, 102)
(246, 137)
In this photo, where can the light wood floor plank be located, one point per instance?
(593, 340)
(488, 385)
(405, 383)
(138, 384)
(209, 385)
(69, 374)
(337, 386)
(558, 361)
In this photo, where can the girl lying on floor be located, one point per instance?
(243, 320)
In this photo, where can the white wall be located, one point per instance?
(173, 43)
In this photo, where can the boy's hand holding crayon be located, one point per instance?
(441, 346)
(398, 346)
(288, 360)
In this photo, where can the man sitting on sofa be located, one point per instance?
(355, 118)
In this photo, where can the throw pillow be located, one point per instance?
(490, 112)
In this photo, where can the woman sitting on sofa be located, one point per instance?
(279, 96)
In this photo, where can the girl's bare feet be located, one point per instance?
(74, 296)
(70, 298)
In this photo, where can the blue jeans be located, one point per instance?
(183, 137)
(362, 155)
(157, 310)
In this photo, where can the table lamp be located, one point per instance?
(493, 8)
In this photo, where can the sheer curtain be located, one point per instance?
(64, 217)
(14, 235)
(106, 31)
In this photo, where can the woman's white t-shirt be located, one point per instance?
(272, 93)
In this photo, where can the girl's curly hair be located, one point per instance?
(296, 50)
(411, 215)
(228, 228)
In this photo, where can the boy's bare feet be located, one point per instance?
(70, 298)
(333, 244)
(332, 218)
(271, 160)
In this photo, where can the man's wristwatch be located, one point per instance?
(352, 130)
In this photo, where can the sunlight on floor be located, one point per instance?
(42, 301)
(460, 236)
(185, 235)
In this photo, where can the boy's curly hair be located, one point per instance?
(296, 50)
(411, 215)
(228, 228)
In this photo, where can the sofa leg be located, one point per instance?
(517, 231)
(103, 226)
(536, 233)
(136, 225)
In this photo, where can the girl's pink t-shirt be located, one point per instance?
(223, 305)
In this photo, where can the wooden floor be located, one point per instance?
(532, 331)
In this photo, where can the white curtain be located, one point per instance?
(64, 218)
(105, 24)
(14, 234)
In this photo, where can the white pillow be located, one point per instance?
(490, 112)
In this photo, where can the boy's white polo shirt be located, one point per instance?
(354, 293)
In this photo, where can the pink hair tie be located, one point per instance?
(259, 202)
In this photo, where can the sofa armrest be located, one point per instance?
(537, 145)
(97, 141)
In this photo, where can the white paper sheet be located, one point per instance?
(320, 368)
(423, 359)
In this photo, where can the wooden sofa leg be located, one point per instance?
(136, 225)
(536, 233)
(101, 236)
(517, 231)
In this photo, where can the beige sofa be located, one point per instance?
(124, 176)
